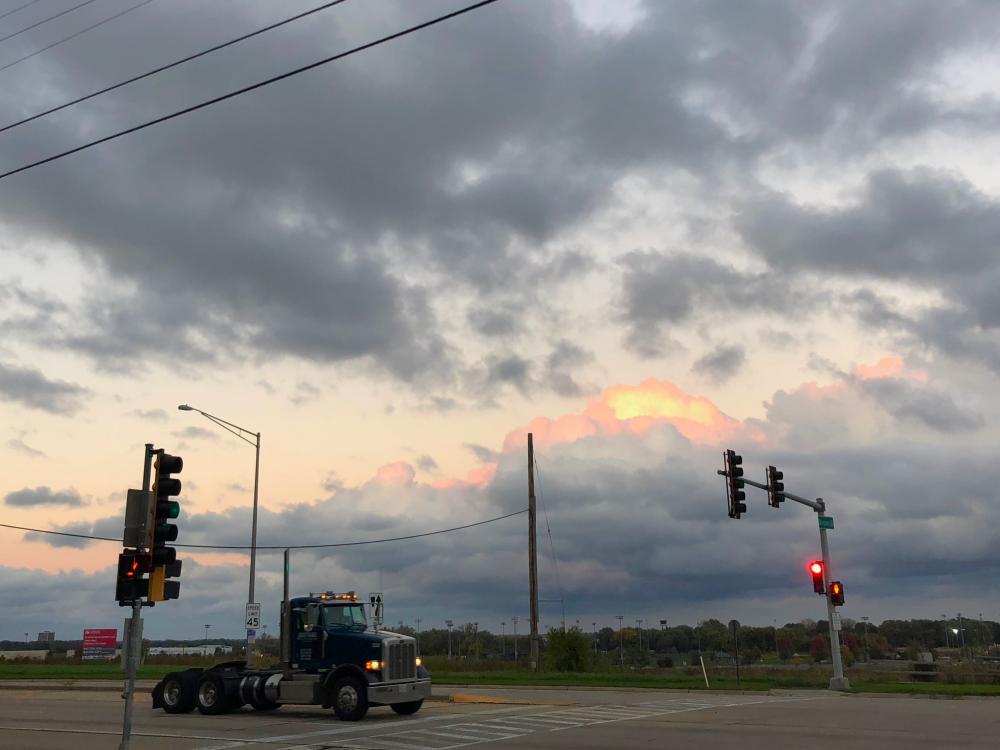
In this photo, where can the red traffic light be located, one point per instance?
(816, 571)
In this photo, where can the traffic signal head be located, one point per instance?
(165, 509)
(836, 593)
(735, 484)
(163, 559)
(816, 571)
(131, 584)
(775, 486)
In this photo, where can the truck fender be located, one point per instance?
(336, 674)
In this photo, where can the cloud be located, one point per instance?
(664, 290)
(304, 393)
(151, 415)
(427, 463)
(721, 363)
(632, 409)
(32, 497)
(196, 433)
(31, 389)
(17, 444)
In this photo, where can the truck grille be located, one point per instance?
(402, 661)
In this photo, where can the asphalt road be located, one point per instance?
(541, 719)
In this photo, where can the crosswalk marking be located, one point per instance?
(448, 733)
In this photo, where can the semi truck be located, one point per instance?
(331, 656)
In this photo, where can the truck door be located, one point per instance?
(307, 646)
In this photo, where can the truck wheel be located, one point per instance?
(350, 699)
(405, 709)
(211, 697)
(178, 694)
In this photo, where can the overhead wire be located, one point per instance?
(94, 538)
(252, 87)
(168, 66)
(74, 35)
(552, 546)
(36, 24)
(12, 11)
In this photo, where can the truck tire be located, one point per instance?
(350, 698)
(406, 709)
(178, 695)
(211, 696)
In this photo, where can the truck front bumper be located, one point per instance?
(399, 692)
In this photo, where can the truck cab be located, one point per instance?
(331, 656)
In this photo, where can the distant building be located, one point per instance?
(200, 650)
(38, 655)
(46, 636)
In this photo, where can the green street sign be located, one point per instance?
(826, 522)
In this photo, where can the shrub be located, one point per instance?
(567, 651)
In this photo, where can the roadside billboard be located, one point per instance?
(100, 643)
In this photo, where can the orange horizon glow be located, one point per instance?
(632, 409)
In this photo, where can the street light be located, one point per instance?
(514, 620)
(621, 641)
(207, 626)
(241, 433)
(449, 623)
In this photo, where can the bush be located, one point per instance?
(567, 651)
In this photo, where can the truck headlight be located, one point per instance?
(419, 661)
(373, 666)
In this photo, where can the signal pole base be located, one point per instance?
(840, 683)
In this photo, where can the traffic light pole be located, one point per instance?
(838, 681)
(129, 641)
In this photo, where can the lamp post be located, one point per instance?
(621, 641)
(207, 626)
(947, 643)
(449, 623)
(514, 620)
(503, 639)
(868, 656)
(242, 433)
(595, 638)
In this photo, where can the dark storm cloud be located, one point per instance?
(562, 368)
(30, 497)
(32, 389)
(662, 290)
(931, 407)
(722, 362)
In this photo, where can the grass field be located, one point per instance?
(674, 680)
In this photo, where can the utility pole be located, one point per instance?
(449, 623)
(515, 619)
(532, 554)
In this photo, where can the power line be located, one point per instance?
(162, 67)
(252, 87)
(91, 537)
(36, 24)
(12, 11)
(109, 19)
(552, 546)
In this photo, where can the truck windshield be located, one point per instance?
(344, 616)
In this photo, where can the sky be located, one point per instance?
(644, 232)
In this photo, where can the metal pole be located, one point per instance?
(253, 534)
(286, 614)
(515, 639)
(838, 681)
(532, 554)
(621, 641)
(129, 640)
